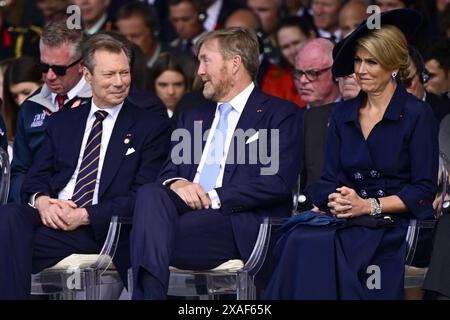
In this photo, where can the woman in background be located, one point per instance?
(278, 81)
(22, 78)
(169, 80)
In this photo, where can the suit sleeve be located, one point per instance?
(169, 169)
(318, 191)
(37, 178)
(418, 195)
(153, 153)
(264, 190)
(22, 158)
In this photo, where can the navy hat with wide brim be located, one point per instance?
(407, 20)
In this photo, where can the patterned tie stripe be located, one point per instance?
(87, 176)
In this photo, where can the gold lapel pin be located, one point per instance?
(127, 138)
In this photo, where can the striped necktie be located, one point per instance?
(216, 150)
(87, 176)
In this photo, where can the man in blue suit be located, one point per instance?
(89, 168)
(207, 206)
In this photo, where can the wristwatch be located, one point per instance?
(375, 206)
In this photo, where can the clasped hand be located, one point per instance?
(346, 203)
(61, 214)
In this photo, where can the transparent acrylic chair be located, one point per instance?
(414, 276)
(84, 276)
(231, 278)
(4, 176)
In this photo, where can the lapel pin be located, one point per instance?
(258, 110)
(127, 138)
(76, 103)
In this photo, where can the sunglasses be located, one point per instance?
(58, 70)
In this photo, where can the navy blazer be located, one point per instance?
(245, 194)
(400, 156)
(121, 175)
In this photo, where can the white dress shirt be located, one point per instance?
(238, 104)
(72, 92)
(108, 125)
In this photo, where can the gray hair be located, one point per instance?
(56, 33)
(236, 41)
(105, 41)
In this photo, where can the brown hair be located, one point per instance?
(235, 41)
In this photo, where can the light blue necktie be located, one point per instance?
(216, 150)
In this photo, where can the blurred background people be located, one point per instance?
(416, 81)
(170, 81)
(438, 65)
(292, 32)
(187, 17)
(325, 14)
(351, 15)
(94, 16)
(22, 78)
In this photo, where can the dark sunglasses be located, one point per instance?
(58, 70)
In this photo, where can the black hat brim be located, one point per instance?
(407, 20)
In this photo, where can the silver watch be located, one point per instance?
(375, 206)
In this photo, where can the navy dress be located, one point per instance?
(347, 261)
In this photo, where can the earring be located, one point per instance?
(394, 74)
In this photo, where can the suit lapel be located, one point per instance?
(206, 116)
(75, 132)
(117, 147)
(252, 114)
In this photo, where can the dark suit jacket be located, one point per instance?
(315, 129)
(121, 174)
(440, 106)
(245, 194)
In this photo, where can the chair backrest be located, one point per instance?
(4, 176)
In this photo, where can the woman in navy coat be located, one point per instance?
(380, 171)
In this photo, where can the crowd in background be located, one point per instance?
(164, 34)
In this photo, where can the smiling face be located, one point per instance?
(371, 76)
(215, 72)
(110, 79)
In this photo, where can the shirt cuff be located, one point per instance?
(215, 201)
(168, 181)
(32, 200)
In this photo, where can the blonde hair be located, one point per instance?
(389, 46)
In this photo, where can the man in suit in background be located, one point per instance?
(207, 208)
(89, 168)
(64, 87)
(316, 86)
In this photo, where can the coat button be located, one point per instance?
(374, 174)
(358, 176)
(381, 193)
(363, 193)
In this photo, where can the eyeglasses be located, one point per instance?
(311, 75)
(58, 70)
